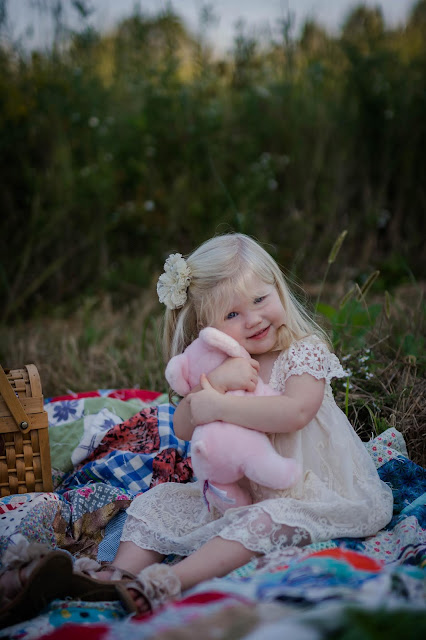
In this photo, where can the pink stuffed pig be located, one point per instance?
(223, 453)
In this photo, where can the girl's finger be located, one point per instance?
(204, 381)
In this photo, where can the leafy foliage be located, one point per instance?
(350, 323)
(119, 148)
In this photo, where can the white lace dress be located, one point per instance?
(339, 495)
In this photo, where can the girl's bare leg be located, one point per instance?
(132, 558)
(214, 559)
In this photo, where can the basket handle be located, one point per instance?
(15, 407)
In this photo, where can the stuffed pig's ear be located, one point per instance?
(177, 373)
(222, 342)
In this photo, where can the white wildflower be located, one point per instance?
(149, 205)
(263, 92)
(265, 158)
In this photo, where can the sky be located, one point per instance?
(257, 14)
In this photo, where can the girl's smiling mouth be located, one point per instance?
(260, 334)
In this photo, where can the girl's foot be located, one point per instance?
(119, 578)
(152, 587)
(159, 583)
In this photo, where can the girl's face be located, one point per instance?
(253, 318)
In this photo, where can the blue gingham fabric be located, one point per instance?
(109, 545)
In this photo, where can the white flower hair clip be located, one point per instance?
(172, 285)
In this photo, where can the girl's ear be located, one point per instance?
(222, 342)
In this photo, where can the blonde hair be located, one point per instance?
(219, 268)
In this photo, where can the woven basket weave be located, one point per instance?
(24, 441)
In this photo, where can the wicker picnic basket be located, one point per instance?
(24, 441)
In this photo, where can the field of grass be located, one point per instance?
(381, 345)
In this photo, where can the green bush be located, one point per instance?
(119, 148)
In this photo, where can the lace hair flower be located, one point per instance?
(172, 285)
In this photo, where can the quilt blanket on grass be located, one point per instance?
(109, 446)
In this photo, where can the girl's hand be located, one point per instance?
(204, 405)
(235, 373)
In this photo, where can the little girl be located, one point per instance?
(233, 284)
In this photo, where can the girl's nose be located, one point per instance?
(252, 319)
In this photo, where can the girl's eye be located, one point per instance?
(261, 299)
(231, 315)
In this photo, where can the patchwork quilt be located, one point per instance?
(108, 446)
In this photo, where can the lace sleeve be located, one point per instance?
(308, 356)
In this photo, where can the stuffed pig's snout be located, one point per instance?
(177, 374)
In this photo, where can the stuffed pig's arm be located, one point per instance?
(234, 373)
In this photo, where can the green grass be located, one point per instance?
(99, 347)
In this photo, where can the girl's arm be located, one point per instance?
(291, 411)
(234, 373)
(182, 418)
